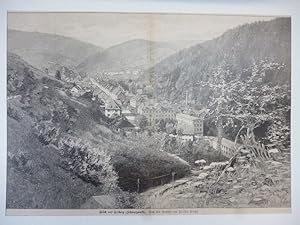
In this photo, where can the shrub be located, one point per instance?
(151, 166)
(141, 121)
(60, 114)
(257, 151)
(203, 150)
(45, 100)
(14, 81)
(191, 151)
(13, 112)
(126, 200)
(90, 164)
(46, 132)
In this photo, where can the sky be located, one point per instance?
(108, 29)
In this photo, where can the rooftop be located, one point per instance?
(186, 116)
(111, 105)
(157, 107)
(122, 123)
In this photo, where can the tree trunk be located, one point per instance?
(237, 136)
(220, 134)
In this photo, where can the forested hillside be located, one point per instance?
(131, 55)
(237, 50)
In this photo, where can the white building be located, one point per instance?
(129, 115)
(112, 109)
(133, 102)
(227, 146)
(189, 125)
(156, 113)
(76, 91)
(136, 100)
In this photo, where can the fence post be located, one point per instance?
(138, 185)
(173, 178)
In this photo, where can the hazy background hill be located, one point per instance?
(135, 54)
(51, 51)
(238, 48)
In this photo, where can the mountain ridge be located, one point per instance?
(135, 54)
(44, 50)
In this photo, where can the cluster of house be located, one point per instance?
(115, 91)
(123, 74)
(104, 91)
(189, 122)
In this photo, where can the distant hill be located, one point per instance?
(238, 48)
(51, 51)
(135, 54)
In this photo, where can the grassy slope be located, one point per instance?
(38, 181)
(268, 185)
(36, 178)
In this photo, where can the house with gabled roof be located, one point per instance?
(112, 109)
(122, 124)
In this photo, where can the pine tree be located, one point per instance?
(58, 75)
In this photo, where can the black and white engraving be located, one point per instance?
(148, 111)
